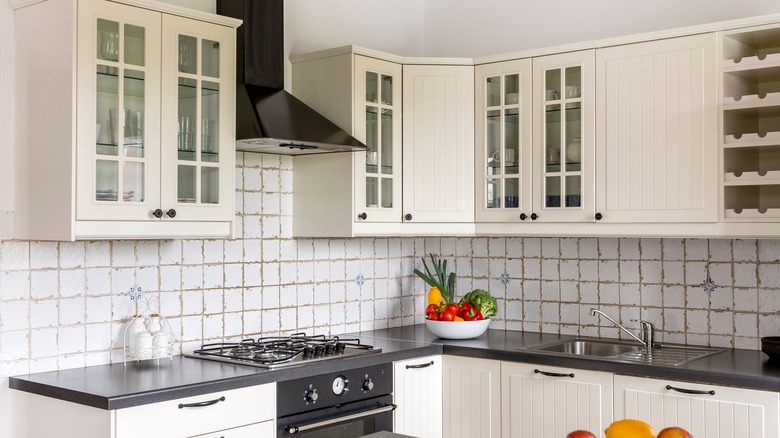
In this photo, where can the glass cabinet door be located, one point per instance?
(197, 171)
(197, 139)
(120, 163)
(565, 131)
(378, 121)
(504, 141)
(119, 124)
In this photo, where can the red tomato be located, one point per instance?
(431, 309)
(580, 434)
(433, 316)
(447, 316)
(452, 308)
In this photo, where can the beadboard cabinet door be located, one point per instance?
(657, 119)
(540, 401)
(438, 143)
(472, 397)
(718, 412)
(418, 395)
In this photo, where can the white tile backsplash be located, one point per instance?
(65, 304)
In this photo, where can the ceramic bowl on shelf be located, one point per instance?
(457, 330)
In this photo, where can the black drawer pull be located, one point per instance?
(201, 404)
(549, 374)
(422, 365)
(690, 391)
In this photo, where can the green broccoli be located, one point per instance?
(482, 300)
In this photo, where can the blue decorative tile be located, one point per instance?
(360, 280)
(708, 285)
(505, 278)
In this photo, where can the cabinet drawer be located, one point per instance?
(258, 430)
(206, 413)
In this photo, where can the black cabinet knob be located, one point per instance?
(408, 217)
(599, 216)
(362, 216)
(171, 213)
(534, 216)
(157, 213)
(523, 216)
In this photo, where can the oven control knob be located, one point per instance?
(368, 385)
(311, 395)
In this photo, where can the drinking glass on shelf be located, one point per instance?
(109, 46)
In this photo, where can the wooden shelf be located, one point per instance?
(752, 178)
(753, 213)
(752, 139)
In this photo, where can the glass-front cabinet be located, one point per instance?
(564, 137)
(503, 142)
(378, 125)
(198, 156)
(119, 173)
(156, 123)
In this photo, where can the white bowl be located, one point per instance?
(457, 329)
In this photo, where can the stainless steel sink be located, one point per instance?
(582, 347)
(626, 351)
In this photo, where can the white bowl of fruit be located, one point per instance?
(450, 319)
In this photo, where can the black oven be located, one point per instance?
(346, 404)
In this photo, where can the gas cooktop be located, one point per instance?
(281, 351)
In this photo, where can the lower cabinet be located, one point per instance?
(540, 401)
(706, 411)
(418, 395)
(238, 413)
(472, 397)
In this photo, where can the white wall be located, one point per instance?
(475, 28)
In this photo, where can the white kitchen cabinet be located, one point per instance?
(472, 397)
(362, 95)
(127, 128)
(706, 411)
(503, 141)
(438, 143)
(751, 124)
(236, 413)
(540, 401)
(418, 394)
(416, 177)
(563, 137)
(656, 139)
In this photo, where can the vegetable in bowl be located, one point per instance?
(483, 301)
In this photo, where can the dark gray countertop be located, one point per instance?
(117, 386)
(732, 367)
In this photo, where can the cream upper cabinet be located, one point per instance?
(706, 411)
(378, 124)
(503, 156)
(417, 391)
(472, 397)
(417, 122)
(656, 139)
(133, 87)
(563, 137)
(348, 194)
(751, 124)
(438, 143)
(540, 401)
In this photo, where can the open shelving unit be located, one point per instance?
(751, 124)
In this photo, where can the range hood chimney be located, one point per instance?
(269, 119)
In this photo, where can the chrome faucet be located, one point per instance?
(648, 330)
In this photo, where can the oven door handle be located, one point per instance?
(296, 429)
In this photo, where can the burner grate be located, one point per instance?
(273, 351)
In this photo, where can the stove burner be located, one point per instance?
(272, 352)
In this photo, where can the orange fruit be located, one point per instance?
(629, 429)
(674, 432)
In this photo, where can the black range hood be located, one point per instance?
(269, 119)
